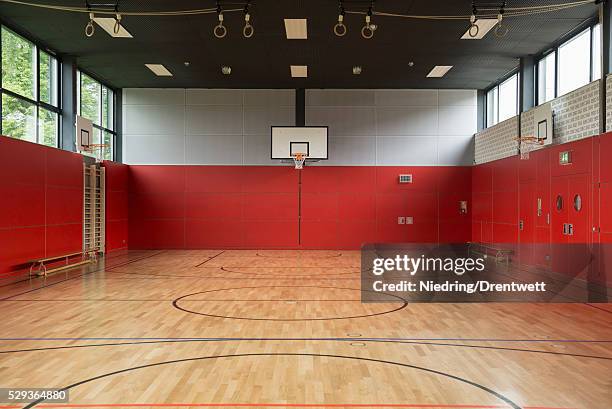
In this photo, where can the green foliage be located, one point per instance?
(21, 118)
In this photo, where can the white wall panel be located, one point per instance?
(366, 127)
(343, 121)
(213, 120)
(456, 150)
(413, 150)
(457, 97)
(153, 96)
(154, 119)
(214, 97)
(458, 120)
(213, 149)
(259, 119)
(340, 98)
(165, 149)
(354, 151)
(407, 98)
(270, 97)
(406, 121)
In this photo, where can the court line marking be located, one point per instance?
(490, 391)
(290, 405)
(206, 261)
(176, 305)
(596, 341)
(335, 340)
(80, 276)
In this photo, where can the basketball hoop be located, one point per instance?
(528, 144)
(97, 149)
(299, 159)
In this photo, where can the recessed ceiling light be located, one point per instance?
(439, 71)
(226, 70)
(159, 70)
(411, 64)
(484, 26)
(108, 25)
(356, 70)
(187, 63)
(299, 71)
(296, 29)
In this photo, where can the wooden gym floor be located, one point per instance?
(286, 329)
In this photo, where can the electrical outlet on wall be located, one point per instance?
(401, 220)
(409, 220)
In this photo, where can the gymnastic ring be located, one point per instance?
(220, 31)
(367, 32)
(471, 30)
(90, 29)
(248, 31)
(500, 31)
(340, 30)
(117, 26)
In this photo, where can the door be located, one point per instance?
(527, 217)
(558, 224)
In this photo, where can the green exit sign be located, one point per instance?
(565, 158)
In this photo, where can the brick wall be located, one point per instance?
(609, 103)
(575, 116)
(497, 142)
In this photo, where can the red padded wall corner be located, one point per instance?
(41, 211)
(117, 190)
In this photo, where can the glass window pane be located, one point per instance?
(107, 108)
(508, 98)
(596, 52)
(47, 127)
(18, 118)
(574, 62)
(108, 140)
(546, 78)
(90, 99)
(18, 64)
(48, 79)
(492, 107)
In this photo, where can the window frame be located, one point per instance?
(586, 25)
(496, 84)
(113, 111)
(36, 102)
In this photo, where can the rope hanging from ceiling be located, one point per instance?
(488, 12)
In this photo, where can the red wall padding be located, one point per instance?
(41, 209)
(117, 176)
(505, 192)
(259, 206)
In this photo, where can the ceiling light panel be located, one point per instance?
(159, 70)
(439, 71)
(108, 25)
(299, 71)
(296, 28)
(484, 26)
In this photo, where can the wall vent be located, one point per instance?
(405, 178)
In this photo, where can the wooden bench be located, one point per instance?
(38, 267)
(485, 249)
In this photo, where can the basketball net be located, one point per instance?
(528, 144)
(298, 159)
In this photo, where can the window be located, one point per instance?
(546, 78)
(574, 63)
(508, 98)
(96, 103)
(30, 86)
(569, 66)
(596, 52)
(492, 107)
(502, 101)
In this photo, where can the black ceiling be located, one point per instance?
(263, 61)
